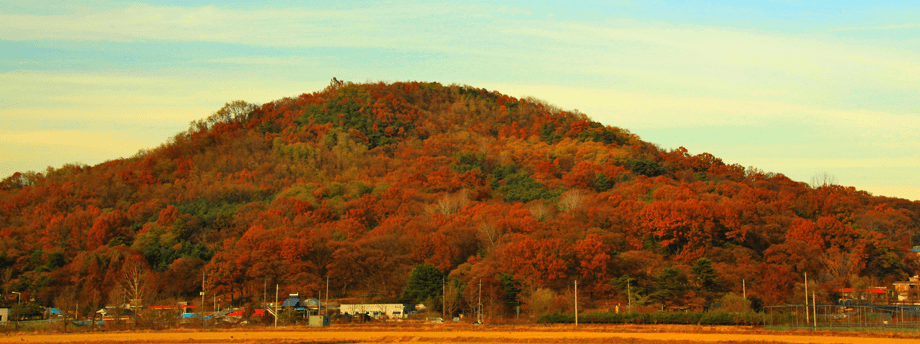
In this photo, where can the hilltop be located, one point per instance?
(366, 183)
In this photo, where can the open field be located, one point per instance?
(469, 334)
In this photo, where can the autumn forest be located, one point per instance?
(365, 183)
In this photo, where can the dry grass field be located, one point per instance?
(648, 334)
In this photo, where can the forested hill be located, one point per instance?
(364, 182)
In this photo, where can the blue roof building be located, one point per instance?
(294, 301)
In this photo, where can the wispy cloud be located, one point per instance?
(644, 110)
(377, 26)
(818, 164)
(874, 28)
(299, 61)
(635, 71)
(695, 55)
(105, 141)
(36, 150)
(185, 91)
(906, 192)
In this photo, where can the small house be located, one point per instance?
(908, 291)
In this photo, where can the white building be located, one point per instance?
(391, 310)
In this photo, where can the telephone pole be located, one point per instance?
(276, 306)
(202, 296)
(444, 298)
(479, 315)
(628, 295)
(576, 303)
(807, 315)
(815, 307)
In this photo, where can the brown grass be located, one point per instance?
(457, 333)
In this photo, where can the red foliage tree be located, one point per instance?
(106, 227)
(539, 261)
(593, 257)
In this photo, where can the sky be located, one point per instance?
(801, 88)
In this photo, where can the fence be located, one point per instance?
(850, 316)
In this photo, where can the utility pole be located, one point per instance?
(806, 300)
(479, 315)
(202, 297)
(628, 295)
(815, 307)
(444, 298)
(576, 303)
(743, 289)
(327, 298)
(276, 306)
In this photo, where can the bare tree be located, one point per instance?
(452, 295)
(481, 297)
(134, 285)
(571, 199)
(538, 210)
(489, 234)
(66, 301)
(449, 204)
(117, 300)
(94, 300)
(823, 180)
(236, 111)
(839, 265)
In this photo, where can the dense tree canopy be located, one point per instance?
(365, 183)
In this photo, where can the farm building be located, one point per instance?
(908, 291)
(390, 310)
